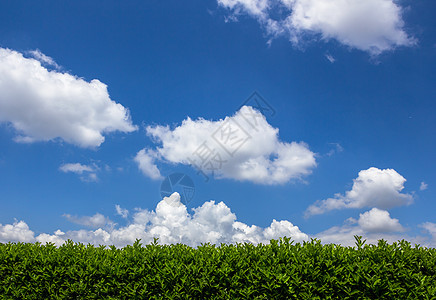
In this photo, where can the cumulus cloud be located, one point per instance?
(377, 220)
(171, 223)
(17, 232)
(145, 159)
(95, 221)
(244, 147)
(372, 188)
(45, 105)
(56, 238)
(372, 25)
(372, 225)
(344, 235)
(211, 222)
(87, 172)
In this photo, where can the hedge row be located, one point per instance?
(280, 270)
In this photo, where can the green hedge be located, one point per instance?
(280, 270)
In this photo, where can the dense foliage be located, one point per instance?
(280, 270)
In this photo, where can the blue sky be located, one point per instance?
(99, 103)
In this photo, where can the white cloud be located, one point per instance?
(372, 188)
(242, 147)
(145, 159)
(431, 228)
(76, 168)
(88, 171)
(121, 211)
(344, 235)
(371, 25)
(215, 223)
(92, 177)
(45, 105)
(337, 149)
(56, 238)
(17, 232)
(372, 225)
(44, 59)
(171, 223)
(253, 7)
(95, 221)
(377, 220)
(330, 58)
(97, 237)
(423, 186)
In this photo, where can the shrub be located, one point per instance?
(279, 270)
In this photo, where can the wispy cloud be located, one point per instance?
(337, 148)
(146, 159)
(96, 221)
(121, 211)
(330, 58)
(87, 172)
(430, 228)
(423, 186)
(44, 59)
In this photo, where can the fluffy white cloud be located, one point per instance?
(372, 225)
(171, 223)
(214, 223)
(242, 147)
(377, 220)
(56, 238)
(17, 232)
(371, 25)
(97, 237)
(45, 105)
(372, 188)
(145, 159)
(88, 172)
(95, 221)
(344, 235)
